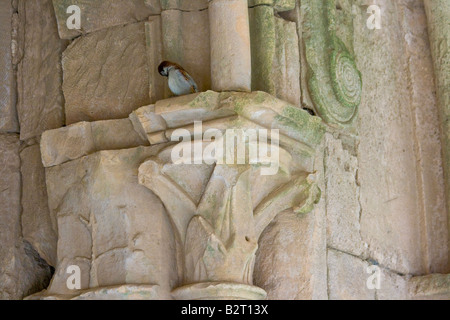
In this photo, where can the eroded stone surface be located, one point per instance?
(230, 45)
(290, 241)
(101, 14)
(155, 124)
(22, 271)
(392, 286)
(40, 104)
(114, 229)
(342, 202)
(8, 114)
(391, 215)
(183, 5)
(438, 15)
(186, 41)
(429, 147)
(75, 140)
(153, 37)
(10, 213)
(347, 277)
(275, 55)
(37, 227)
(124, 292)
(110, 81)
(219, 210)
(280, 5)
(84, 138)
(430, 287)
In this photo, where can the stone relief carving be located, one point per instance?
(334, 81)
(220, 210)
(217, 209)
(219, 235)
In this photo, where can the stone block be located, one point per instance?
(114, 229)
(275, 55)
(153, 37)
(183, 5)
(22, 271)
(424, 105)
(392, 286)
(391, 217)
(84, 138)
(186, 41)
(438, 15)
(101, 14)
(279, 5)
(66, 144)
(347, 277)
(430, 287)
(40, 104)
(8, 114)
(37, 227)
(291, 258)
(107, 82)
(342, 202)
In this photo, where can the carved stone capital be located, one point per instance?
(219, 208)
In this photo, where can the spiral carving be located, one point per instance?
(347, 84)
(334, 81)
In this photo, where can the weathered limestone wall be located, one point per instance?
(403, 216)
(40, 100)
(438, 15)
(380, 166)
(103, 224)
(8, 113)
(30, 99)
(395, 217)
(109, 82)
(22, 270)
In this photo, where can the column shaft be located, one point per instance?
(230, 45)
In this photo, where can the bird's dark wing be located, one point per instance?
(190, 80)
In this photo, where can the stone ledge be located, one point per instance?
(84, 138)
(298, 130)
(124, 292)
(430, 287)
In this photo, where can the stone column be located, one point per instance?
(230, 45)
(438, 14)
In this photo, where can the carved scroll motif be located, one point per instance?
(334, 81)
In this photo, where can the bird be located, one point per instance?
(180, 82)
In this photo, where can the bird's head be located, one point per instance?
(165, 67)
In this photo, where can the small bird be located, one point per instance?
(180, 82)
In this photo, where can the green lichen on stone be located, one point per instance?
(205, 100)
(334, 81)
(253, 3)
(263, 38)
(279, 5)
(346, 79)
(284, 5)
(239, 101)
(309, 129)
